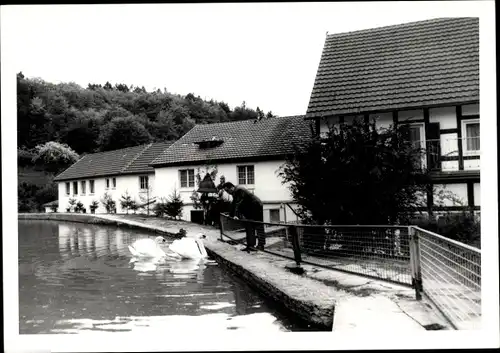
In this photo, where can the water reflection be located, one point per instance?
(71, 275)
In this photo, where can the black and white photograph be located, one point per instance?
(249, 176)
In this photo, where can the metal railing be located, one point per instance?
(443, 154)
(373, 251)
(447, 272)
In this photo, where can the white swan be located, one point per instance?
(190, 247)
(148, 248)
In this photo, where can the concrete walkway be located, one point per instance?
(326, 298)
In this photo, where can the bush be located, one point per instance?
(108, 203)
(160, 208)
(93, 206)
(461, 226)
(79, 207)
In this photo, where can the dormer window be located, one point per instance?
(209, 143)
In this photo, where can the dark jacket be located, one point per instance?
(246, 204)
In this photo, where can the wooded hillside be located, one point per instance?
(102, 118)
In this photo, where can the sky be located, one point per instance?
(265, 54)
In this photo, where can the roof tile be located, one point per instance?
(415, 64)
(242, 139)
(123, 161)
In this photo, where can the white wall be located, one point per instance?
(48, 209)
(124, 183)
(477, 194)
(445, 116)
(267, 185)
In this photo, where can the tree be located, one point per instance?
(108, 86)
(71, 204)
(54, 156)
(174, 205)
(122, 87)
(134, 206)
(123, 132)
(356, 175)
(82, 137)
(126, 201)
(270, 115)
(93, 86)
(260, 113)
(243, 113)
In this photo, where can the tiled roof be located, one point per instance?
(242, 139)
(141, 163)
(123, 161)
(51, 203)
(410, 65)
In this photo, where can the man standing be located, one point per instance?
(248, 206)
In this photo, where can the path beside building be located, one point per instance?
(325, 298)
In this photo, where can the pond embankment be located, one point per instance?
(310, 300)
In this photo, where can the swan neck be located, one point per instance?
(201, 246)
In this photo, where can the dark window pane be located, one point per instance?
(191, 177)
(183, 176)
(250, 175)
(472, 135)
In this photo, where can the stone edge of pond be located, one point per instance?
(317, 313)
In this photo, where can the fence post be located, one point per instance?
(221, 226)
(416, 274)
(295, 244)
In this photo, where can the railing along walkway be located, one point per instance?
(447, 272)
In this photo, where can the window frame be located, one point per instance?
(141, 178)
(423, 141)
(188, 184)
(68, 188)
(465, 151)
(271, 210)
(113, 183)
(91, 187)
(106, 185)
(245, 166)
(75, 188)
(83, 187)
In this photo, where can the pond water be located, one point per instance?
(78, 278)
